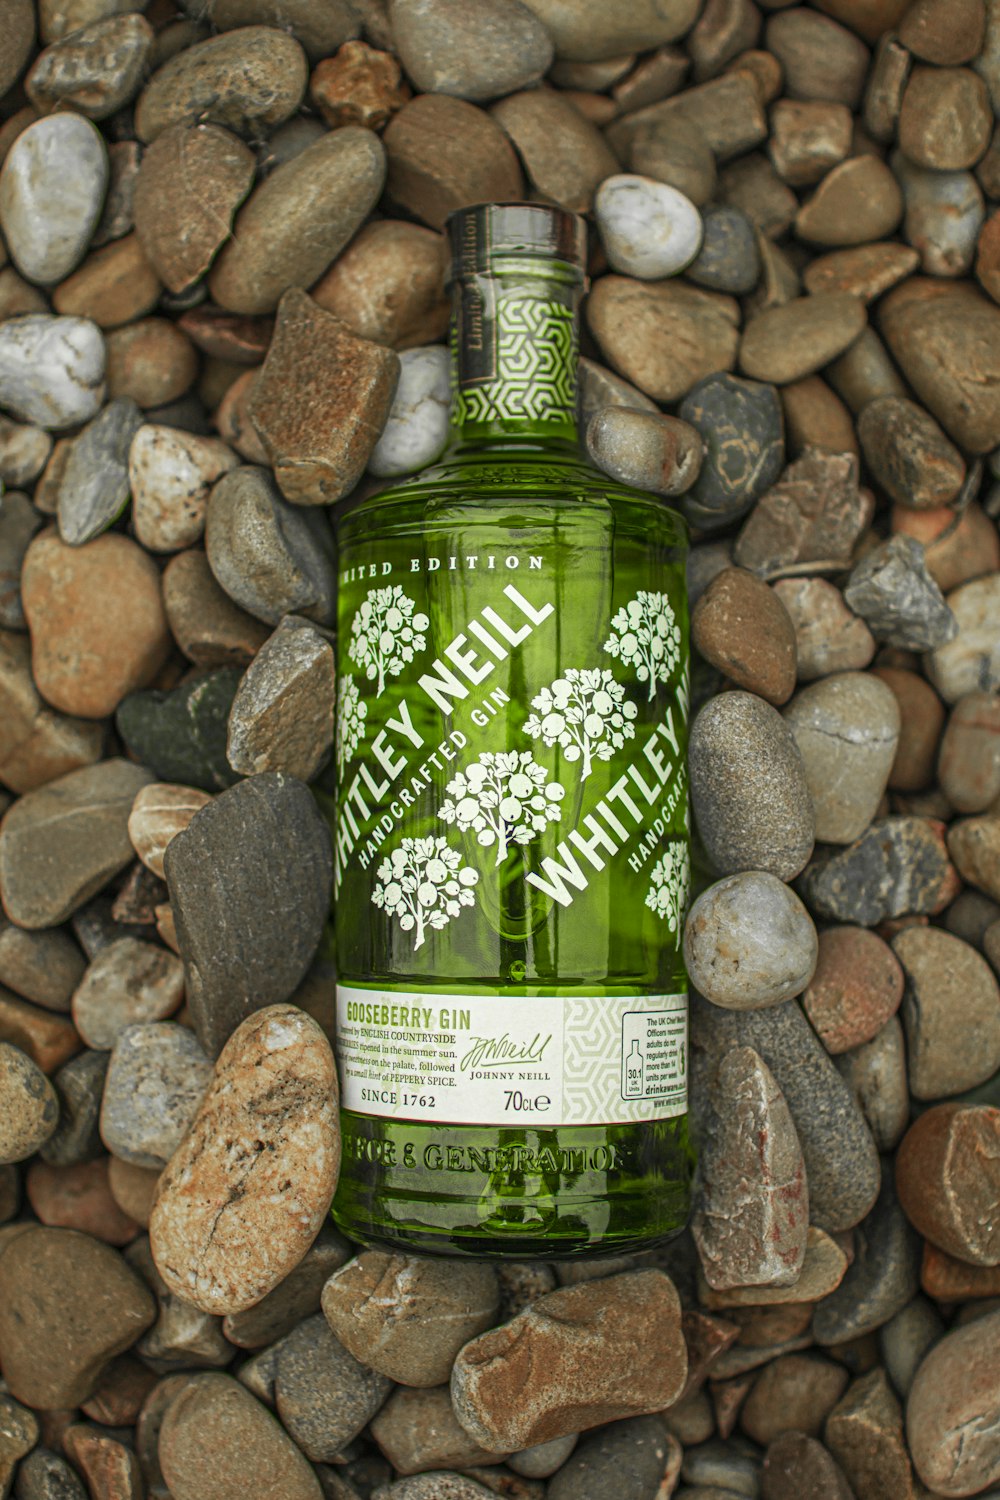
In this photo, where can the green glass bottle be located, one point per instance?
(511, 837)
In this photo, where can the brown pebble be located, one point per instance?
(948, 1180)
(98, 627)
(358, 86)
(249, 81)
(864, 1432)
(445, 153)
(860, 200)
(78, 1197)
(795, 1393)
(388, 285)
(815, 417)
(922, 715)
(233, 420)
(808, 137)
(951, 1414)
(908, 454)
(946, 32)
(133, 1189)
(320, 402)
(181, 230)
(857, 985)
(974, 845)
(866, 271)
(36, 743)
(821, 59)
(741, 626)
(565, 157)
(969, 758)
(869, 18)
(790, 342)
(208, 627)
(946, 120)
(114, 285)
(48, 1040)
(226, 336)
(988, 257)
(797, 1467)
(110, 1468)
(663, 336)
(152, 361)
(949, 1279)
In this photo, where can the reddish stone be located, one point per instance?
(706, 1337)
(229, 336)
(111, 1470)
(922, 714)
(119, 1395)
(856, 986)
(358, 86)
(49, 1040)
(78, 1197)
(948, 1180)
(948, 1279)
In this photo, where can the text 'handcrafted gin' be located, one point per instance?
(511, 839)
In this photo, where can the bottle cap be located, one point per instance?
(487, 231)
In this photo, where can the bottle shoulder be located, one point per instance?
(486, 481)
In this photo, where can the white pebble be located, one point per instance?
(52, 189)
(170, 474)
(648, 228)
(51, 369)
(417, 429)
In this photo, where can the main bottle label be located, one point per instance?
(511, 836)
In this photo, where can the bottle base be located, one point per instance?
(411, 1240)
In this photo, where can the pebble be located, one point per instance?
(79, 1086)
(282, 715)
(866, 271)
(787, 343)
(271, 558)
(882, 1278)
(47, 1039)
(170, 473)
(51, 1361)
(256, 1455)
(250, 81)
(577, 1357)
(44, 967)
(741, 627)
(648, 229)
(323, 1394)
(715, 1469)
(898, 867)
(153, 361)
(51, 369)
(752, 1211)
(741, 427)
(408, 1316)
(729, 260)
(950, 1280)
(794, 1393)
(969, 759)
(416, 430)
(247, 940)
(565, 156)
(43, 1475)
(388, 285)
(544, 1459)
(909, 455)
(859, 201)
(752, 185)
(182, 1335)
(64, 841)
(814, 513)
(418, 1430)
(296, 222)
(29, 1109)
(951, 1012)
(19, 521)
(474, 51)
(923, 715)
(437, 1486)
(94, 485)
(19, 18)
(644, 449)
(856, 988)
(24, 452)
(98, 628)
(78, 1197)
(156, 1078)
(207, 626)
(906, 1338)
(946, 1176)
(267, 1322)
(52, 187)
(634, 1459)
(749, 942)
(675, 151)
(898, 599)
(726, 112)
(96, 70)
(828, 637)
(944, 214)
(945, 337)
(974, 844)
(945, 120)
(846, 728)
(181, 735)
(665, 336)
(274, 1090)
(842, 1166)
(943, 33)
(444, 153)
(158, 813)
(358, 86)
(749, 790)
(797, 1467)
(126, 983)
(951, 1411)
(116, 217)
(864, 1433)
(971, 660)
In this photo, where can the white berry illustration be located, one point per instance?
(585, 713)
(386, 634)
(351, 715)
(504, 799)
(424, 884)
(645, 635)
(670, 884)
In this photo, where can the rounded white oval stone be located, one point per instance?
(51, 369)
(649, 229)
(170, 474)
(52, 189)
(417, 429)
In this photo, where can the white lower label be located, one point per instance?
(512, 1059)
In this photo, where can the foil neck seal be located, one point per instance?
(488, 237)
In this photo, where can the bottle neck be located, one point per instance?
(514, 356)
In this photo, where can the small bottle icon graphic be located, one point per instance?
(633, 1072)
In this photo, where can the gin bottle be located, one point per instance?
(511, 832)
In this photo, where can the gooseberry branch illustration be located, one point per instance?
(646, 636)
(386, 634)
(503, 798)
(424, 884)
(585, 713)
(669, 885)
(352, 712)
